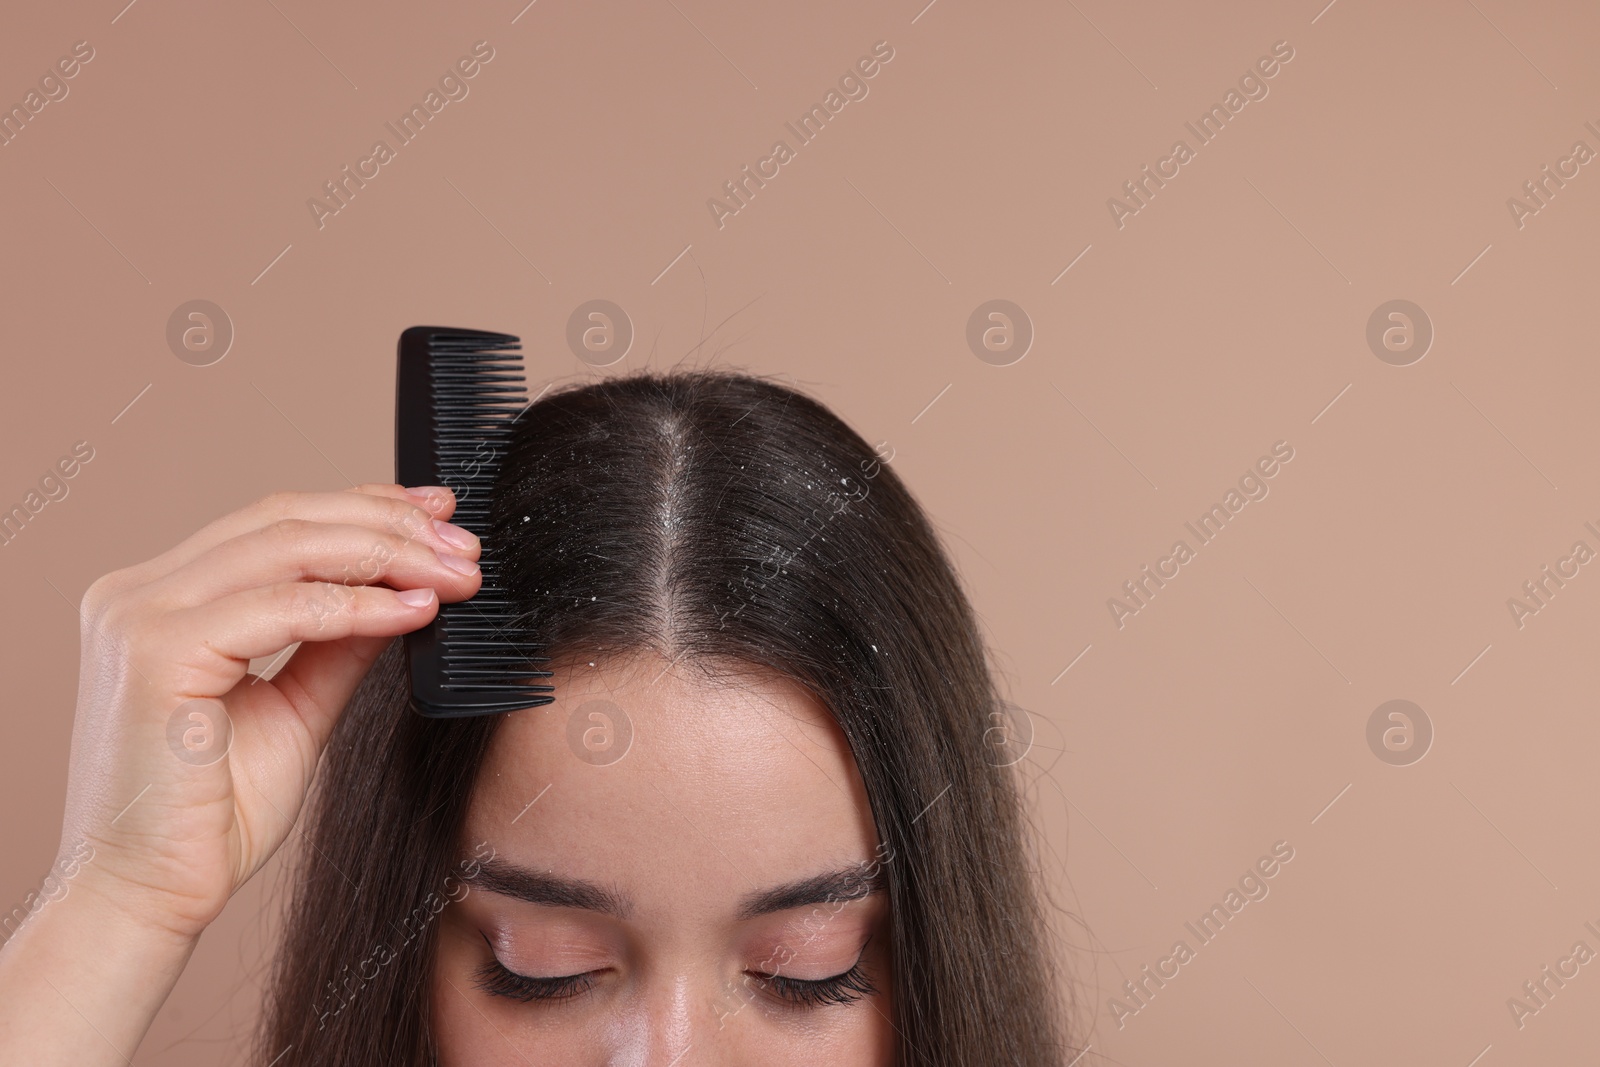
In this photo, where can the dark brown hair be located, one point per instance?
(721, 517)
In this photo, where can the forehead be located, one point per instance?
(644, 772)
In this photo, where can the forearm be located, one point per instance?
(81, 980)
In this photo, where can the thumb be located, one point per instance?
(321, 676)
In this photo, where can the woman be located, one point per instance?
(761, 823)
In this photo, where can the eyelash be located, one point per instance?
(800, 993)
(498, 980)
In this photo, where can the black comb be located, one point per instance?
(456, 396)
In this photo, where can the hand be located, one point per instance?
(186, 772)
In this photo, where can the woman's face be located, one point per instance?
(670, 871)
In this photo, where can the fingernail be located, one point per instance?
(456, 563)
(455, 535)
(415, 598)
(432, 495)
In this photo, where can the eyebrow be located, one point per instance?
(549, 890)
(846, 884)
(840, 886)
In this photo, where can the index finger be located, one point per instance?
(381, 505)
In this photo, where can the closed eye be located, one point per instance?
(496, 979)
(803, 993)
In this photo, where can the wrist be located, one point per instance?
(132, 916)
(82, 977)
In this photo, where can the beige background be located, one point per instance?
(1226, 316)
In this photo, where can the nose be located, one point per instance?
(680, 1024)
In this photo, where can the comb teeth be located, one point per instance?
(457, 394)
